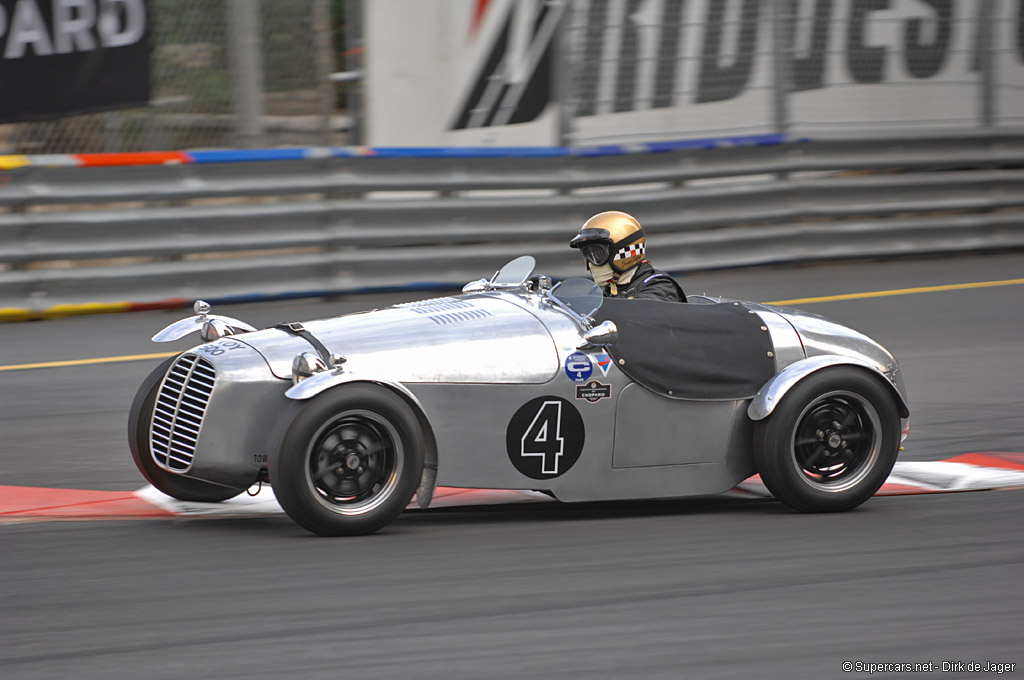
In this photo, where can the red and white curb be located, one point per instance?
(969, 472)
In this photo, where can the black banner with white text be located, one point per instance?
(66, 57)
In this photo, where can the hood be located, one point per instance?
(464, 339)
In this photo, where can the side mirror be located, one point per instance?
(604, 334)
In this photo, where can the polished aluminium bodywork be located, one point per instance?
(824, 343)
(467, 363)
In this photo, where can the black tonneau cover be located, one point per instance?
(690, 351)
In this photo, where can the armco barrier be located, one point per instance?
(108, 233)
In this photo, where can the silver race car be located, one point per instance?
(518, 384)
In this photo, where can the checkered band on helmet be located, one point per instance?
(629, 256)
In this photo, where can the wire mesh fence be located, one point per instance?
(195, 101)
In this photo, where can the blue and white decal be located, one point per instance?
(604, 362)
(578, 367)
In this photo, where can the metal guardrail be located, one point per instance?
(339, 224)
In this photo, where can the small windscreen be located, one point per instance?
(580, 295)
(516, 271)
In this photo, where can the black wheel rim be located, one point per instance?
(354, 462)
(837, 441)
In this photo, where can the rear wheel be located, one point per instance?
(350, 462)
(831, 442)
(140, 419)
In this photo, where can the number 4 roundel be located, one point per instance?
(545, 437)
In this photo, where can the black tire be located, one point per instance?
(350, 461)
(139, 421)
(830, 443)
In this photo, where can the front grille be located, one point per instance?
(179, 410)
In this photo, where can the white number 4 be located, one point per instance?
(544, 437)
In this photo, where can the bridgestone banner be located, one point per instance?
(506, 72)
(63, 57)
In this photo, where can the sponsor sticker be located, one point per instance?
(593, 391)
(578, 367)
(545, 437)
(604, 362)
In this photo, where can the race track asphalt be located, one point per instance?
(705, 588)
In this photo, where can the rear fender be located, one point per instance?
(326, 380)
(769, 396)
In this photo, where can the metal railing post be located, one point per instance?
(987, 62)
(354, 64)
(324, 59)
(246, 64)
(562, 75)
(781, 14)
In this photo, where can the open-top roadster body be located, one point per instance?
(515, 384)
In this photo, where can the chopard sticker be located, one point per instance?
(604, 362)
(578, 367)
(593, 391)
(545, 437)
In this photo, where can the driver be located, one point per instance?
(613, 245)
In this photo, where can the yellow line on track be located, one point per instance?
(796, 301)
(85, 362)
(900, 291)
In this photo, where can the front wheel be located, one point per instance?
(831, 442)
(140, 419)
(350, 462)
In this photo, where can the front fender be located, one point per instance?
(769, 396)
(325, 380)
